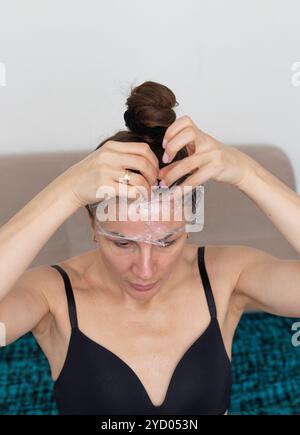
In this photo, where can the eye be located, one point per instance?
(170, 243)
(126, 244)
(121, 244)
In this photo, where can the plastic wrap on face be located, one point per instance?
(149, 235)
(188, 208)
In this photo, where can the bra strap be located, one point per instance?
(70, 295)
(206, 283)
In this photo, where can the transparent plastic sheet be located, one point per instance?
(152, 211)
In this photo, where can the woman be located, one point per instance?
(115, 347)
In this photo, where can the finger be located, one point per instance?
(178, 125)
(141, 164)
(109, 183)
(163, 171)
(138, 148)
(128, 191)
(141, 184)
(131, 161)
(185, 137)
(199, 177)
(186, 165)
(136, 180)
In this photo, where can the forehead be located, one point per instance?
(142, 218)
(129, 228)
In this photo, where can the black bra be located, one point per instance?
(94, 380)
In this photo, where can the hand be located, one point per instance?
(208, 158)
(106, 165)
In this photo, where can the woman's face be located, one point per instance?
(138, 262)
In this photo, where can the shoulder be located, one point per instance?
(224, 264)
(47, 279)
(236, 259)
(230, 260)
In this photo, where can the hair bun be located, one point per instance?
(150, 109)
(135, 126)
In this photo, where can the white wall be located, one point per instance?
(69, 66)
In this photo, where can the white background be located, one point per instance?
(70, 64)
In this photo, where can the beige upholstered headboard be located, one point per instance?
(230, 217)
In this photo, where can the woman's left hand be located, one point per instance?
(208, 158)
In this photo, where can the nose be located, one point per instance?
(144, 262)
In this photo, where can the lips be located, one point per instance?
(142, 287)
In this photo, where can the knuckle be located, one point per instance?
(147, 153)
(190, 131)
(184, 166)
(169, 176)
(107, 144)
(152, 175)
(143, 162)
(145, 146)
(187, 118)
(148, 171)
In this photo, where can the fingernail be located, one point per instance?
(162, 183)
(164, 143)
(165, 158)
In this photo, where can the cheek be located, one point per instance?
(167, 260)
(117, 265)
(174, 255)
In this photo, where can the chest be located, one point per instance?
(153, 353)
(150, 347)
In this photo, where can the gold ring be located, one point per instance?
(126, 177)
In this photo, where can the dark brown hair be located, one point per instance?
(149, 113)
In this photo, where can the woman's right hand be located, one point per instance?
(104, 166)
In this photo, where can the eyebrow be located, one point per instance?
(116, 233)
(159, 240)
(165, 238)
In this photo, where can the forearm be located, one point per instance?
(22, 237)
(279, 202)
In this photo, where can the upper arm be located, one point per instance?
(25, 304)
(268, 283)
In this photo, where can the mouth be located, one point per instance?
(142, 288)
